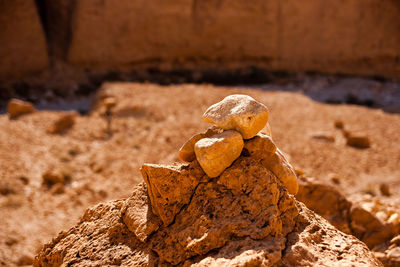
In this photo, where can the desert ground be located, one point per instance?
(98, 158)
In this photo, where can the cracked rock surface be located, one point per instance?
(180, 216)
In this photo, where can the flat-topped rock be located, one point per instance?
(238, 112)
(217, 152)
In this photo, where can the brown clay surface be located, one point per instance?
(149, 124)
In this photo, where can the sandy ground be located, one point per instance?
(149, 124)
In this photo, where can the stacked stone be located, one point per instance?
(237, 119)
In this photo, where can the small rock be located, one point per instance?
(52, 177)
(357, 140)
(57, 189)
(298, 171)
(335, 180)
(109, 102)
(238, 112)
(217, 152)
(281, 167)
(186, 152)
(63, 123)
(339, 124)
(137, 214)
(18, 107)
(25, 260)
(384, 188)
(323, 136)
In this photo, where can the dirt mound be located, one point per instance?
(181, 216)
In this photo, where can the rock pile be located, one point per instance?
(236, 117)
(180, 215)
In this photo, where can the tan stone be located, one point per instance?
(186, 152)
(217, 152)
(18, 107)
(263, 146)
(238, 112)
(357, 140)
(63, 123)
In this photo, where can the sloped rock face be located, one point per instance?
(244, 217)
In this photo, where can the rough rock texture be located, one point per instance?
(274, 160)
(23, 44)
(217, 152)
(238, 112)
(244, 217)
(374, 222)
(18, 107)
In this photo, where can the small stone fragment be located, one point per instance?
(357, 140)
(384, 188)
(323, 136)
(238, 112)
(339, 124)
(281, 167)
(334, 178)
(109, 102)
(217, 152)
(52, 177)
(137, 214)
(25, 260)
(186, 152)
(18, 107)
(63, 123)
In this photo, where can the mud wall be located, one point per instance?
(359, 37)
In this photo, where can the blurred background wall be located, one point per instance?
(356, 37)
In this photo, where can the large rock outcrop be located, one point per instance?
(23, 46)
(180, 216)
(349, 37)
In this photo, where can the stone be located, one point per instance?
(245, 217)
(165, 196)
(238, 112)
(384, 188)
(52, 177)
(63, 123)
(137, 214)
(217, 152)
(323, 136)
(263, 146)
(16, 108)
(186, 152)
(357, 140)
(339, 124)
